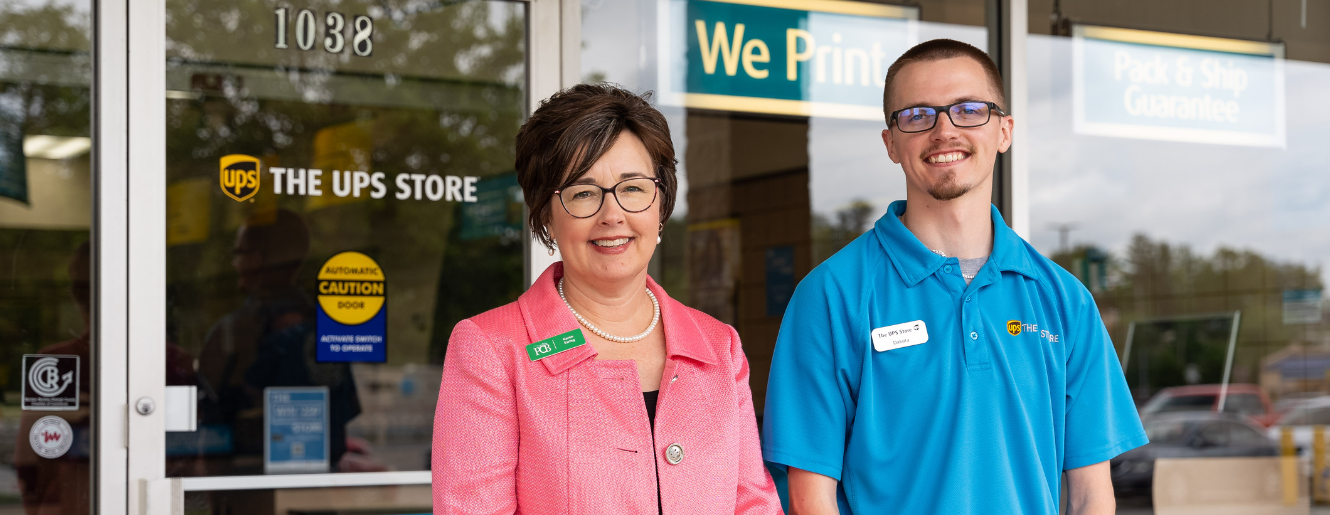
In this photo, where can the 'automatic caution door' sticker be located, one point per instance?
(353, 320)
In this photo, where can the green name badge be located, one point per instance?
(551, 346)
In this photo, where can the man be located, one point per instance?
(938, 363)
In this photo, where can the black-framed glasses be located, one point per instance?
(585, 200)
(962, 114)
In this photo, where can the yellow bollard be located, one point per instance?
(1289, 466)
(1318, 464)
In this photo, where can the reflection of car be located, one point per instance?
(1187, 435)
(1312, 412)
(1293, 401)
(1242, 399)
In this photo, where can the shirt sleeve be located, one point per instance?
(1101, 418)
(474, 458)
(756, 493)
(806, 421)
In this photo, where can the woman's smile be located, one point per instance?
(612, 245)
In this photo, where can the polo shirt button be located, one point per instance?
(967, 299)
(974, 335)
(947, 269)
(674, 454)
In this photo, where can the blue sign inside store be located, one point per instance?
(295, 430)
(782, 57)
(1173, 87)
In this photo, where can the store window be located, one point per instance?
(777, 135)
(1177, 168)
(45, 232)
(340, 194)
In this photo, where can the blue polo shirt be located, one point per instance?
(922, 394)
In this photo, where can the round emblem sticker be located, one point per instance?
(51, 437)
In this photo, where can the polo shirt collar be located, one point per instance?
(914, 261)
(546, 316)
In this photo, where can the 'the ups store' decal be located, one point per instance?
(241, 178)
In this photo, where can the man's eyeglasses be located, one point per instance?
(962, 114)
(585, 200)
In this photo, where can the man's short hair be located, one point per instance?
(937, 50)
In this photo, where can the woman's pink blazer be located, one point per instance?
(569, 433)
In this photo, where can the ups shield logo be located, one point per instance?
(239, 176)
(1014, 327)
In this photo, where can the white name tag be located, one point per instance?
(900, 335)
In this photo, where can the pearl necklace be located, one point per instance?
(655, 319)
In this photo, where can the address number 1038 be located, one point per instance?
(334, 31)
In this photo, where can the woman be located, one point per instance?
(596, 392)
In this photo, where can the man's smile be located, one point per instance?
(947, 157)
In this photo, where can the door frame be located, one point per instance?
(110, 253)
(129, 157)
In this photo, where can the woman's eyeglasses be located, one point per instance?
(585, 200)
(962, 114)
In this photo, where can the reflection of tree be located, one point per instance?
(851, 221)
(48, 47)
(50, 26)
(1175, 352)
(1155, 279)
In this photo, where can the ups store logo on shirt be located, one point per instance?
(239, 176)
(1015, 327)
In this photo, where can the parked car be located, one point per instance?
(1187, 434)
(1242, 399)
(1301, 418)
(1292, 401)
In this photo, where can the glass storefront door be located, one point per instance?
(47, 377)
(340, 192)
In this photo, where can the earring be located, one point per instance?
(657, 240)
(662, 229)
(551, 251)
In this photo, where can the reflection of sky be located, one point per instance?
(618, 44)
(1273, 201)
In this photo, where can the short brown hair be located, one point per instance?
(571, 130)
(937, 50)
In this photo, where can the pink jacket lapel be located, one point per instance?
(546, 315)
